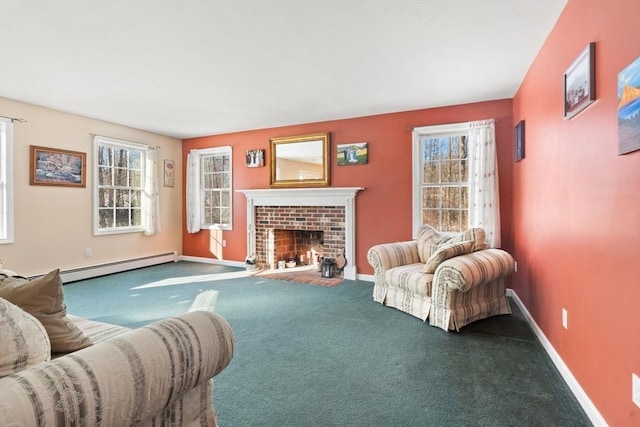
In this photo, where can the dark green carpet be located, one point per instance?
(318, 356)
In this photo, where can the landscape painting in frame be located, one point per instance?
(52, 166)
(629, 108)
(352, 154)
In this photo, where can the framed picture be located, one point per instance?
(255, 158)
(519, 141)
(580, 82)
(169, 173)
(52, 166)
(352, 154)
(629, 108)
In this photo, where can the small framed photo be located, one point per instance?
(519, 141)
(255, 158)
(352, 154)
(52, 166)
(580, 82)
(169, 173)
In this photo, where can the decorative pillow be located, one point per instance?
(426, 238)
(445, 252)
(23, 341)
(477, 235)
(44, 299)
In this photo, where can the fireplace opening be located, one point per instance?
(295, 247)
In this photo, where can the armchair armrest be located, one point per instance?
(463, 272)
(125, 380)
(385, 256)
(388, 255)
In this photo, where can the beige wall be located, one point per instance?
(53, 225)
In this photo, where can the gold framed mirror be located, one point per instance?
(300, 161)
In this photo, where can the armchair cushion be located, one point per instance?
(445, 252)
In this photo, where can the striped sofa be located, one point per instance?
(157, 375)
(449, 279)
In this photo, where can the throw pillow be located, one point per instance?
(427, 237)
(477, 235)
(445, 252)
(44, 299)
(23, 341)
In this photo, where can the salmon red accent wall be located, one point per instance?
(576, 209)
(383, 209)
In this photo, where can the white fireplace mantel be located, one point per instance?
(329, 196)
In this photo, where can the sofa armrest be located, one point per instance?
(463, 272)
(128, 379)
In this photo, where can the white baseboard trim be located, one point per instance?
(365, 277)
(588, 406)
(91, 271)
(211, 261)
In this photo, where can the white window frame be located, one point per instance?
(217, 151)
(6, 180)
(417, 169)
(127, 145)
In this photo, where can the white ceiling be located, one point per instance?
(194, 68)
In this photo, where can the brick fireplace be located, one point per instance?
(327, 210)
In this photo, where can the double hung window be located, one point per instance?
(209, 189)
(6, 180)
(118, 185)
(441, 177)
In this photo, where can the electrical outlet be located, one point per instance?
(224, 243)
(565, 318)
(635, 389)
(515, 266)
(88, 252)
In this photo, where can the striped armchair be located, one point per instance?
(451, 280)
(160, 374)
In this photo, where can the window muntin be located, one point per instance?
(119, 186)
(215, 189)
(6, 180)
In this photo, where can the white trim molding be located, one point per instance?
(588, 406)
(330, 196)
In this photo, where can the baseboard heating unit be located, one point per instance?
(88, 272)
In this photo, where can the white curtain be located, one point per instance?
(193, 192)
(151, 199)
(484, 195)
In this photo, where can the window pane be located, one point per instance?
(450, 171)
(225, 199)
(464, 171)
(120, 157)
(136, 217)
(104, 176)
(105, 197)
(122, 198)
(431, 172)
(104, 155)
(431, 197)
(136, 198)
(135, 179)
(122, 217)
(135, 159)
(225, 216)
(451, 197)
(120, 177)
(450, 220)
(105, 218)
(215, 216)
(431, 217)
